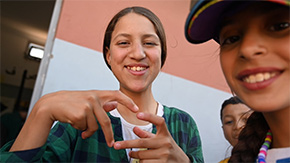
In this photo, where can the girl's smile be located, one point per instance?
(255, 56)
(258, 78)
(137, 69)
(254, 39)
(135, 53)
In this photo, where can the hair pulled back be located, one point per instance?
(251, 139)
(141, 11)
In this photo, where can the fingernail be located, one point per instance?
(136, 108)
(140, 115)
(117, 145)
(83, 135)
(111, 144)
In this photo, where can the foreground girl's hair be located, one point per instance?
(251, 139)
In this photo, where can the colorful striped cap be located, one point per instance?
(202, 23)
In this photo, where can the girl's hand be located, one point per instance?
(160, 147)
(82, 109)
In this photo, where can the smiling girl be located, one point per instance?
(93, 127)
(135, 50)
(254, 38)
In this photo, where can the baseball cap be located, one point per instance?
(202, 23)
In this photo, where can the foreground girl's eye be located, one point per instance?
(280, 26)
(230, 40)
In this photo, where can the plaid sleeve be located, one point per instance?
(57, 148)
(60, 143)
(31, 155)
(185, 132)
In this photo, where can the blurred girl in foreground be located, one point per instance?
(254, 38)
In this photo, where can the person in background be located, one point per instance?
(93, 127)
(234, 115)
(11, 124)
(254, 39)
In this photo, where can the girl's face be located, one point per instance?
(135, 53)
(255, 56)
(234, 118)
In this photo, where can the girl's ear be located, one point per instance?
(108, 56)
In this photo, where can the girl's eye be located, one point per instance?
(230, 40)
(280, 26)
(228, 122)
(150, 44)
(123, 43)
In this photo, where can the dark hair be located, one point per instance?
(251, 139)
(232, 100)
(141, 11)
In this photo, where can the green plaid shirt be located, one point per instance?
(65, 144)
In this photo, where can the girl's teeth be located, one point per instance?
(272, 74)
(136, 68)
(259, 77)
(267, 76)
(252, 79)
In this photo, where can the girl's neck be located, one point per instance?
(146, 103)
(279, 123)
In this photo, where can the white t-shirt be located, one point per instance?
(278, 154)
(127, 128)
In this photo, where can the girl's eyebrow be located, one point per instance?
(121, 35)
(128, 35)
(226, 22)
(150, 35)
(240, 114)
(228, 115)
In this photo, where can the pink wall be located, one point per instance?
(84, 22)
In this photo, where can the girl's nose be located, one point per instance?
(252, 45)
(138, 52)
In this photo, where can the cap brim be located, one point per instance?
(205, 16)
